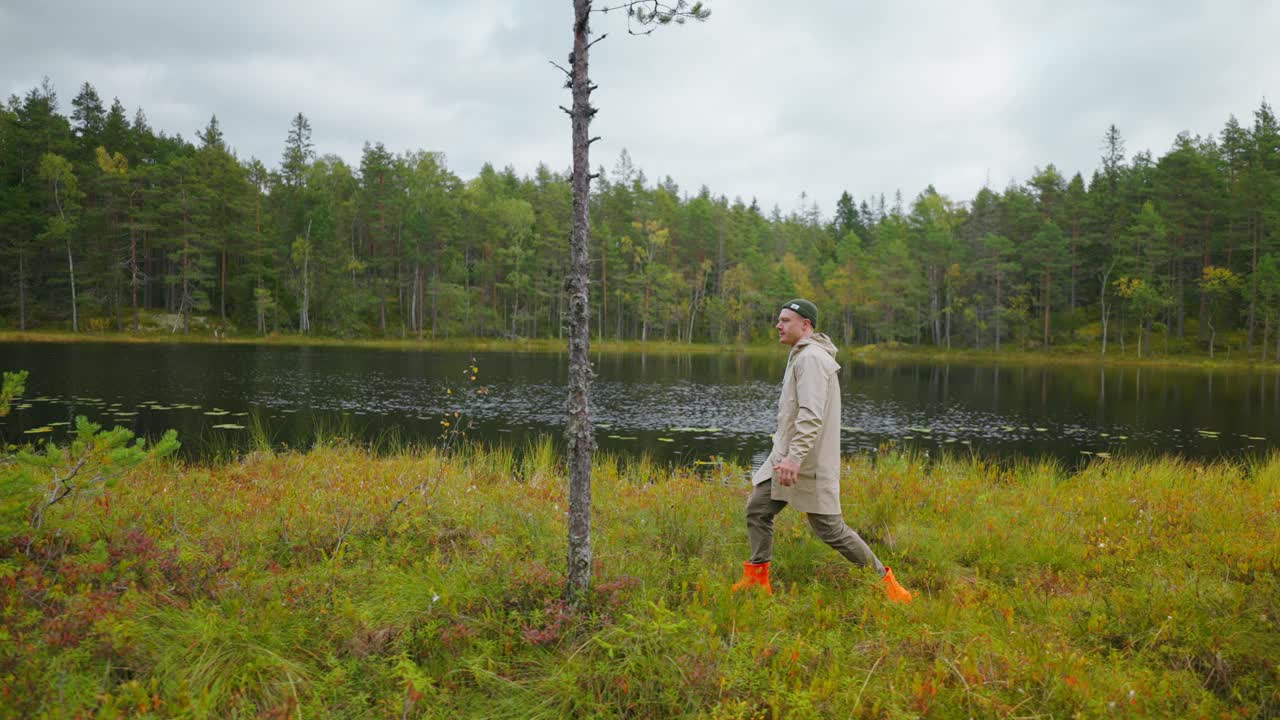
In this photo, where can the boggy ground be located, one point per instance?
(338, 583)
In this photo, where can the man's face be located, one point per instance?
(792, 327)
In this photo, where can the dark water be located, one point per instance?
(682, 408)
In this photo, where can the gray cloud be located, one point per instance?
(819, 98)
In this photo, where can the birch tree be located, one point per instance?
(65, 195)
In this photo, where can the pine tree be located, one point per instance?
(578, 429)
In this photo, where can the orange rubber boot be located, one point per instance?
(754, 574)
(894, 590)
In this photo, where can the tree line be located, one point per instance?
(107, 224)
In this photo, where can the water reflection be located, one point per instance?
(677, 407)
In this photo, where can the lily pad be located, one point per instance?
(1040, 429)
(1103, 455)
(920, 430)
(670, 440)
(228, 426)
(854, 428)
(217, 413)
(38, 431)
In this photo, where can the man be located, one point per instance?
(803, 469)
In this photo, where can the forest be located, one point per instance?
(109, 225)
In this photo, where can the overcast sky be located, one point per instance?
(764, 100)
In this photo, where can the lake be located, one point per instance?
(677, 408)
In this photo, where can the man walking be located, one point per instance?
(803, 468)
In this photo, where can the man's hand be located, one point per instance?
(785, 471)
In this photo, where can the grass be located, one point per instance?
(1184, 355)
(406, 343)
(341, 582)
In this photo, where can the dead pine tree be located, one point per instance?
(643, 17)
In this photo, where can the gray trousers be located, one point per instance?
(830, 529)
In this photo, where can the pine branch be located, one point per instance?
(658, 13)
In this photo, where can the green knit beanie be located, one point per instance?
(803, 308)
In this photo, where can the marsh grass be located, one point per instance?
(263, 433)
(345, 582)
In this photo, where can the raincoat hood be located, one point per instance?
(817, 340)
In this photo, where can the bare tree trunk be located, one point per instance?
(1201, 332)
(1266, 335)
(997, 310)
(947, 310)
(22, 291)
(604, 288)
(1075, 241)
(435, 304)
(184, 308)
(133, 272)
(147, 264)
(421, 279)
(413, 302)
(222, 288)
(1106, 309)
(1048, 280)
(1253, 289)
(644, 312)
(578, 430)
(304, 321)
(71, 265)
(258, 300)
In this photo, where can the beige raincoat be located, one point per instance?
(808, 428)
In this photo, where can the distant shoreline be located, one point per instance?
(869, 354)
